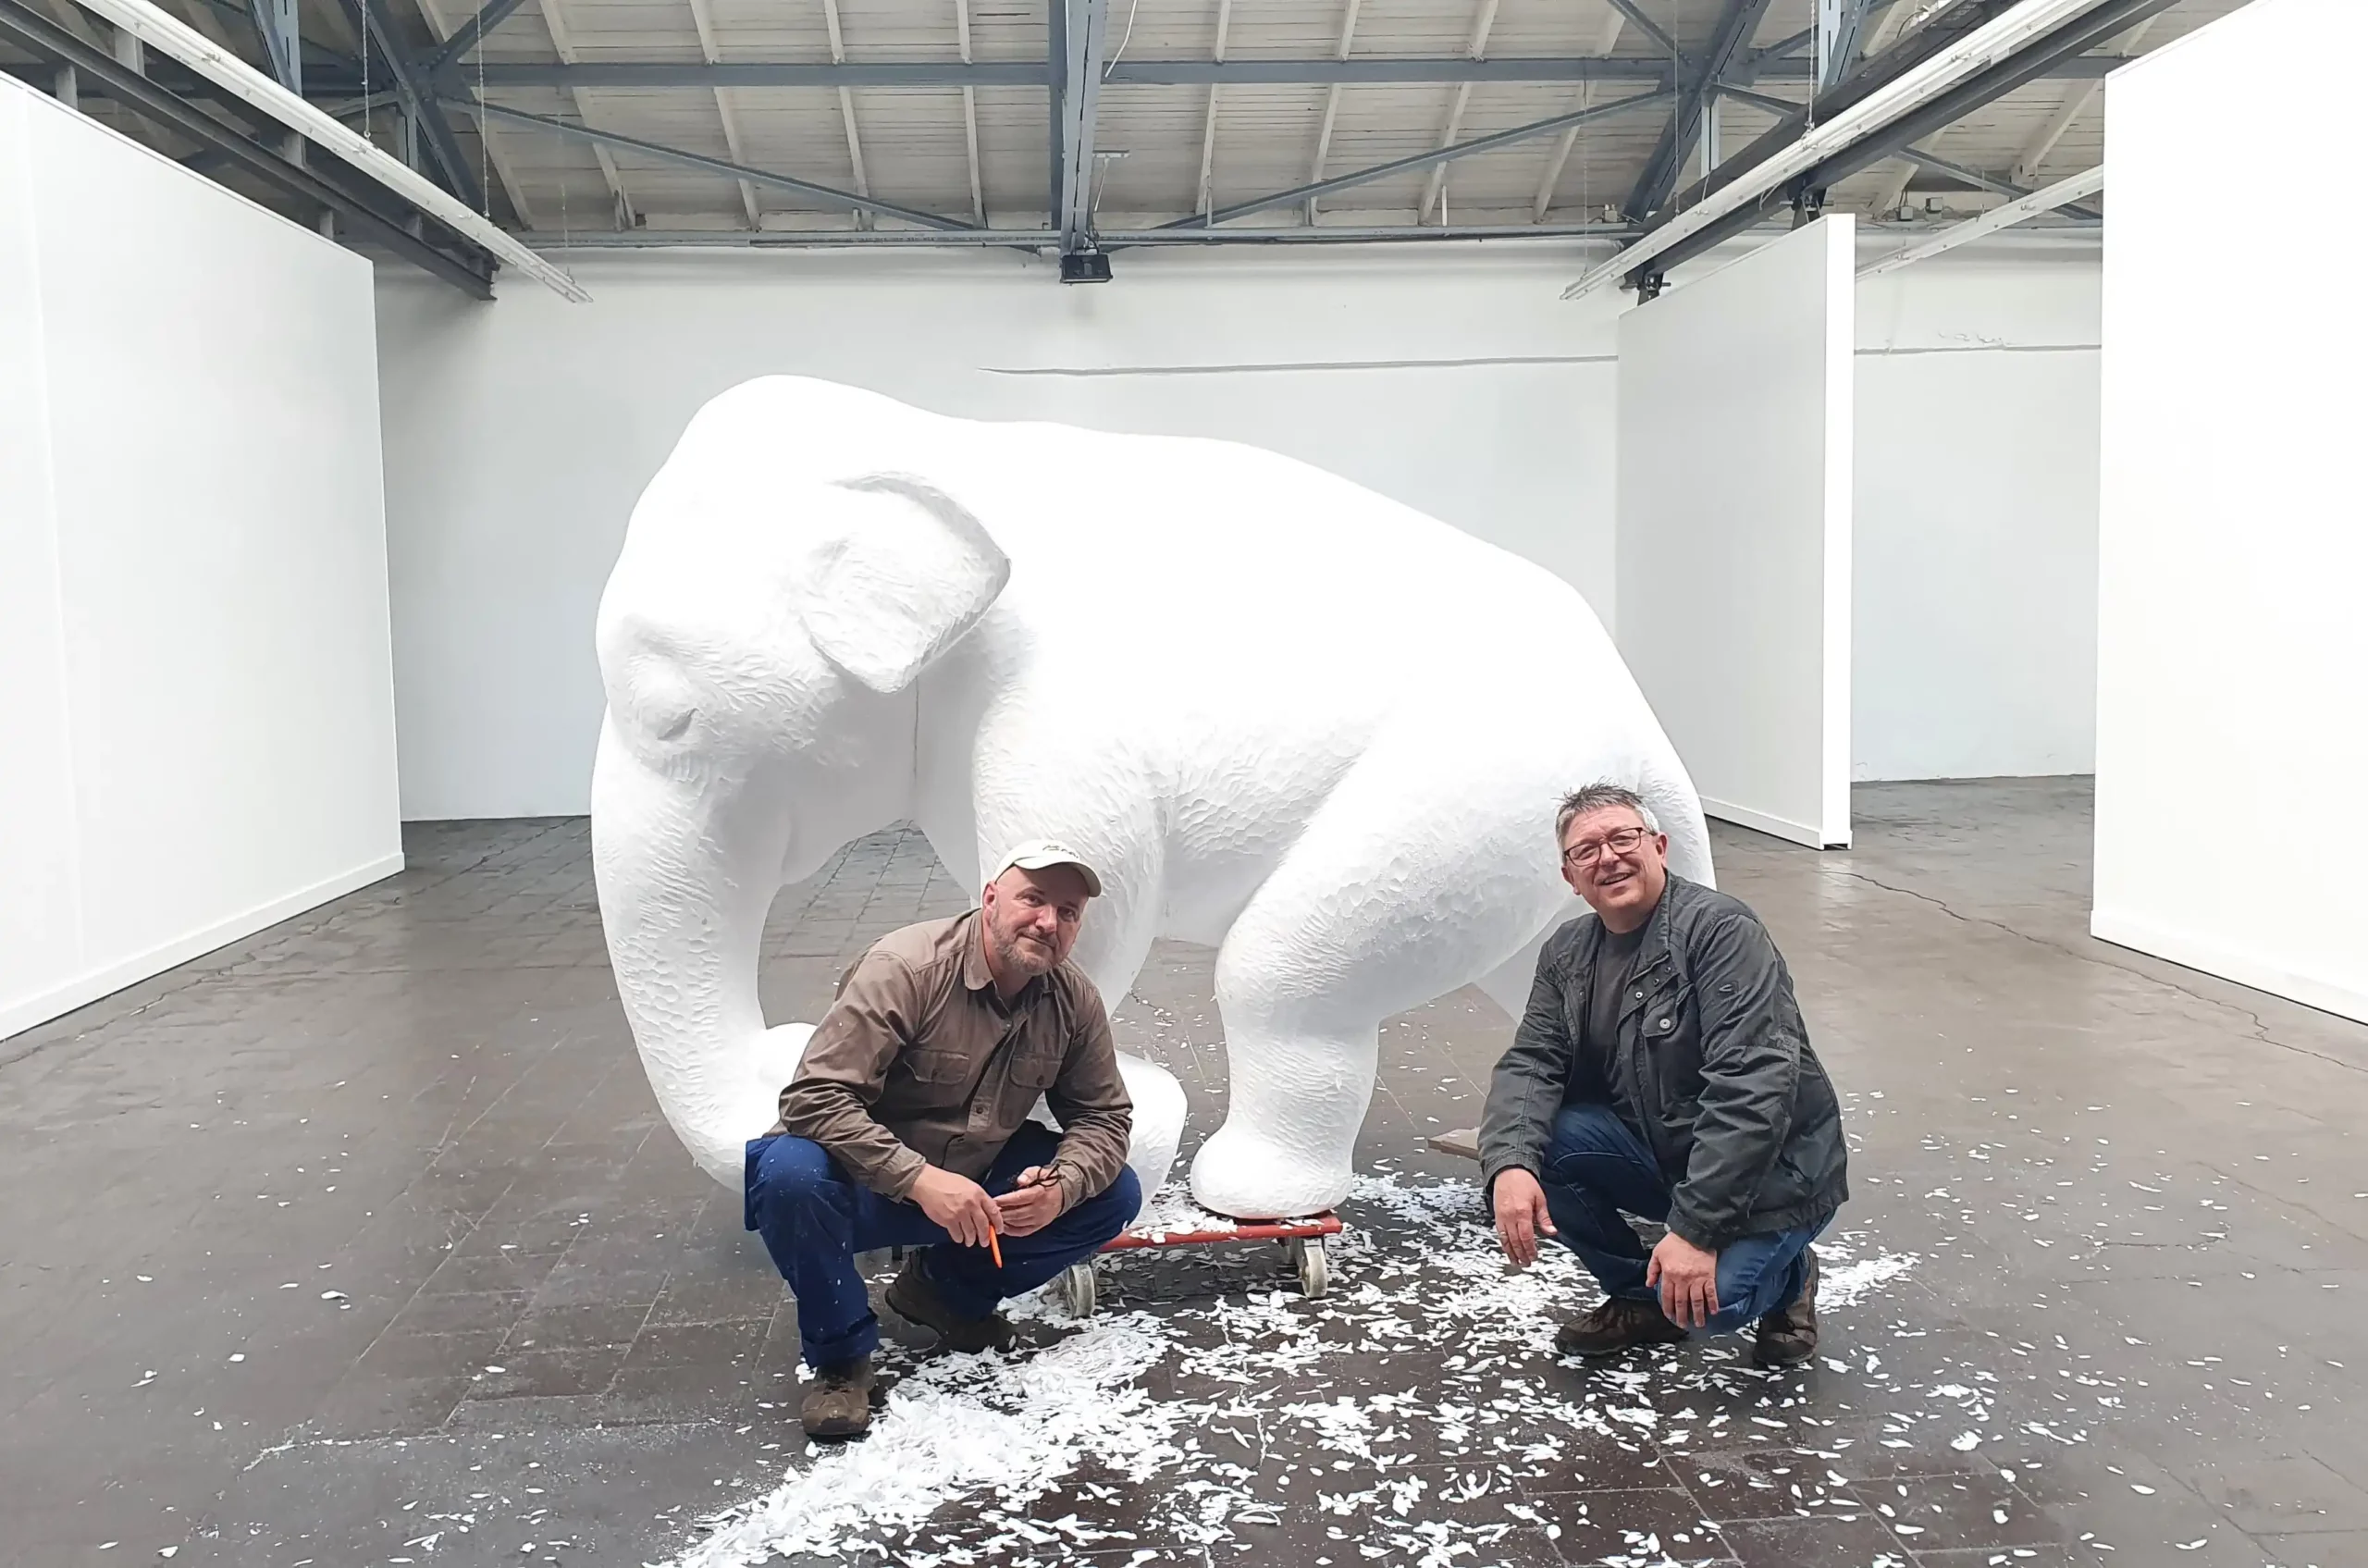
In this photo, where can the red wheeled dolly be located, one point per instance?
(1301, 1240)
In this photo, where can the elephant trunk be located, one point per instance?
(686, 867)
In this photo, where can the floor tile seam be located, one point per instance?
(1694, 1493)
(2259, 1537)
(451, 1245)
(2105, 960)
(2242, 1180)
(446, 1143)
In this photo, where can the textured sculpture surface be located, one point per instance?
(1282, 715)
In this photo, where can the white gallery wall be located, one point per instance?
(1733, 546)
(2232, 680)
(196, 713)
(1974, 517)
(1451, 378)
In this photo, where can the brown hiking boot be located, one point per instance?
(1616, 1324)
(912, 1297)
(1789, 1338)
(837, 1403)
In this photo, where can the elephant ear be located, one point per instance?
(908, 573)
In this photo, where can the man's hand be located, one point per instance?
(1033, 1203)
(959, 1205)
(1688, 1279)
(1520, 1215)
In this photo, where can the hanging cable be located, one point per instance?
(484, 138)
(1113, 60)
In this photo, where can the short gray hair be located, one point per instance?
(1595, 798)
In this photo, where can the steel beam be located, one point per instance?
(2042, 57)
(136, 92)
(1028, 73)
(1076, 103)
(1855, 88)
(1973, 177)
(653, 74)
(1418, 161)
(846, 200)
(1995, 184)
(1204, 193)
(1736, 24)
(1840, 24)
(2061, 193)
(470, 33)
(283, 43)
(2019, 69)
(1045, 238)
(420, 106)
(1056, 53)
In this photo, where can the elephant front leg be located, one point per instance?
(1298, 1097)
(1303, 980)
(1419, 875)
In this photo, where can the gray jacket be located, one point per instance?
(1712, 1070)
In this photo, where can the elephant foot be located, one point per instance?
(1251, 1175)
(1158, 1120)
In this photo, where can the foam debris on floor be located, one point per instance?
(1226, 1425)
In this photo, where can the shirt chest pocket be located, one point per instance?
(935, 1067)
(1035, 1070)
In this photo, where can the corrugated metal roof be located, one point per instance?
(911, 145)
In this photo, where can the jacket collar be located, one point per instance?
(1653, 951)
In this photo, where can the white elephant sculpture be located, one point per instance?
(1282, 715)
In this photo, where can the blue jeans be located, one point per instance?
(814, 1219)
(1595, 1167)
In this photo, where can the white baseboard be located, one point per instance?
(1781, 827)
(2188, 952)
(43, 1006)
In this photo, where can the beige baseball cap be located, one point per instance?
(1041, 854)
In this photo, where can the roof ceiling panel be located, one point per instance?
(916, 153)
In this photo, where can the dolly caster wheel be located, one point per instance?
(1314, 1268)
(1077, 1289)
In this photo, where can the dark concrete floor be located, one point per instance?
(362, 1241)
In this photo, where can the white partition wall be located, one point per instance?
(196, 703)
(1733, 527)
(2232, 668)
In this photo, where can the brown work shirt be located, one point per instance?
(919, 1063)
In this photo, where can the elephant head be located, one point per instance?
(758, 646)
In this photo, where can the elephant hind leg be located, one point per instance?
(1414, 879)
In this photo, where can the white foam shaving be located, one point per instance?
(1850, 1283)
(1244, 1376)
(1006, 1427)
(1171, 1212)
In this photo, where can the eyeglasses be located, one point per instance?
(1619, 841)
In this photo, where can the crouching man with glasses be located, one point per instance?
(1661, 1069)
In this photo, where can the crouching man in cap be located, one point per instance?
(907, 1126)
(1661, 1069)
